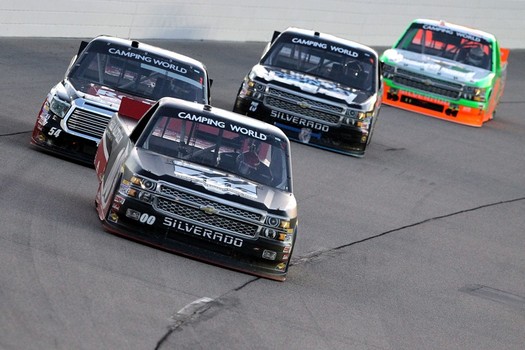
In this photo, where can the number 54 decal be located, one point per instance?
(54, 132)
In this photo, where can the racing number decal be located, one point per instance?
(147, 219)
(54, 131)
(253, 106)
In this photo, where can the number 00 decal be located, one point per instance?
(147, 219)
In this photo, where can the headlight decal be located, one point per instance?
(59, 107)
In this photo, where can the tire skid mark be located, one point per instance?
(511, 300)
(187, 314)
(16, 133)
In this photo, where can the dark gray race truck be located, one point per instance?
(202, 182)
(319, 89)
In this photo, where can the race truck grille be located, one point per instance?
(88, 123)
(214, 220)
(425, 83)
(305, 107)
(190, 198)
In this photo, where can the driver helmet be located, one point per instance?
(475, 56)
(248, 161)
(353, 68)
(183, 90)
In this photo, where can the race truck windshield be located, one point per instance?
(347, 66)
(445, 42)
(136, 73)
(216, 144)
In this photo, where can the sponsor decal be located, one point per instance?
(311, 85)
(344, 51)
(296, 130)
(280, 266)
(201, 119)
(143, 218)
(245, 131)
(43, 119)
(221, 124)
(468, 36)
(438, 29)
(450, 31)
(133, 214)
(119, 199)
(148, 59)
(196, 230)
(123, 189)
(113, 217)
(299, 121)
(109, 94)
(325, 46)
(107, 181)
(116, 130)
(305, 134)
(44, 116)
(312, 43)
(441, 70)
(216, 182)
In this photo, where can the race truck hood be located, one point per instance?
(437, 67)
(211, 180)
(99, 94)
(311, 84)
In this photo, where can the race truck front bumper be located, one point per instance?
(169, 224)
(340, 134)
(441, 106)
(74, 134)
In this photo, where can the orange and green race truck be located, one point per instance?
(446, 71)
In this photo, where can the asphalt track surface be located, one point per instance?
(418, 245)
